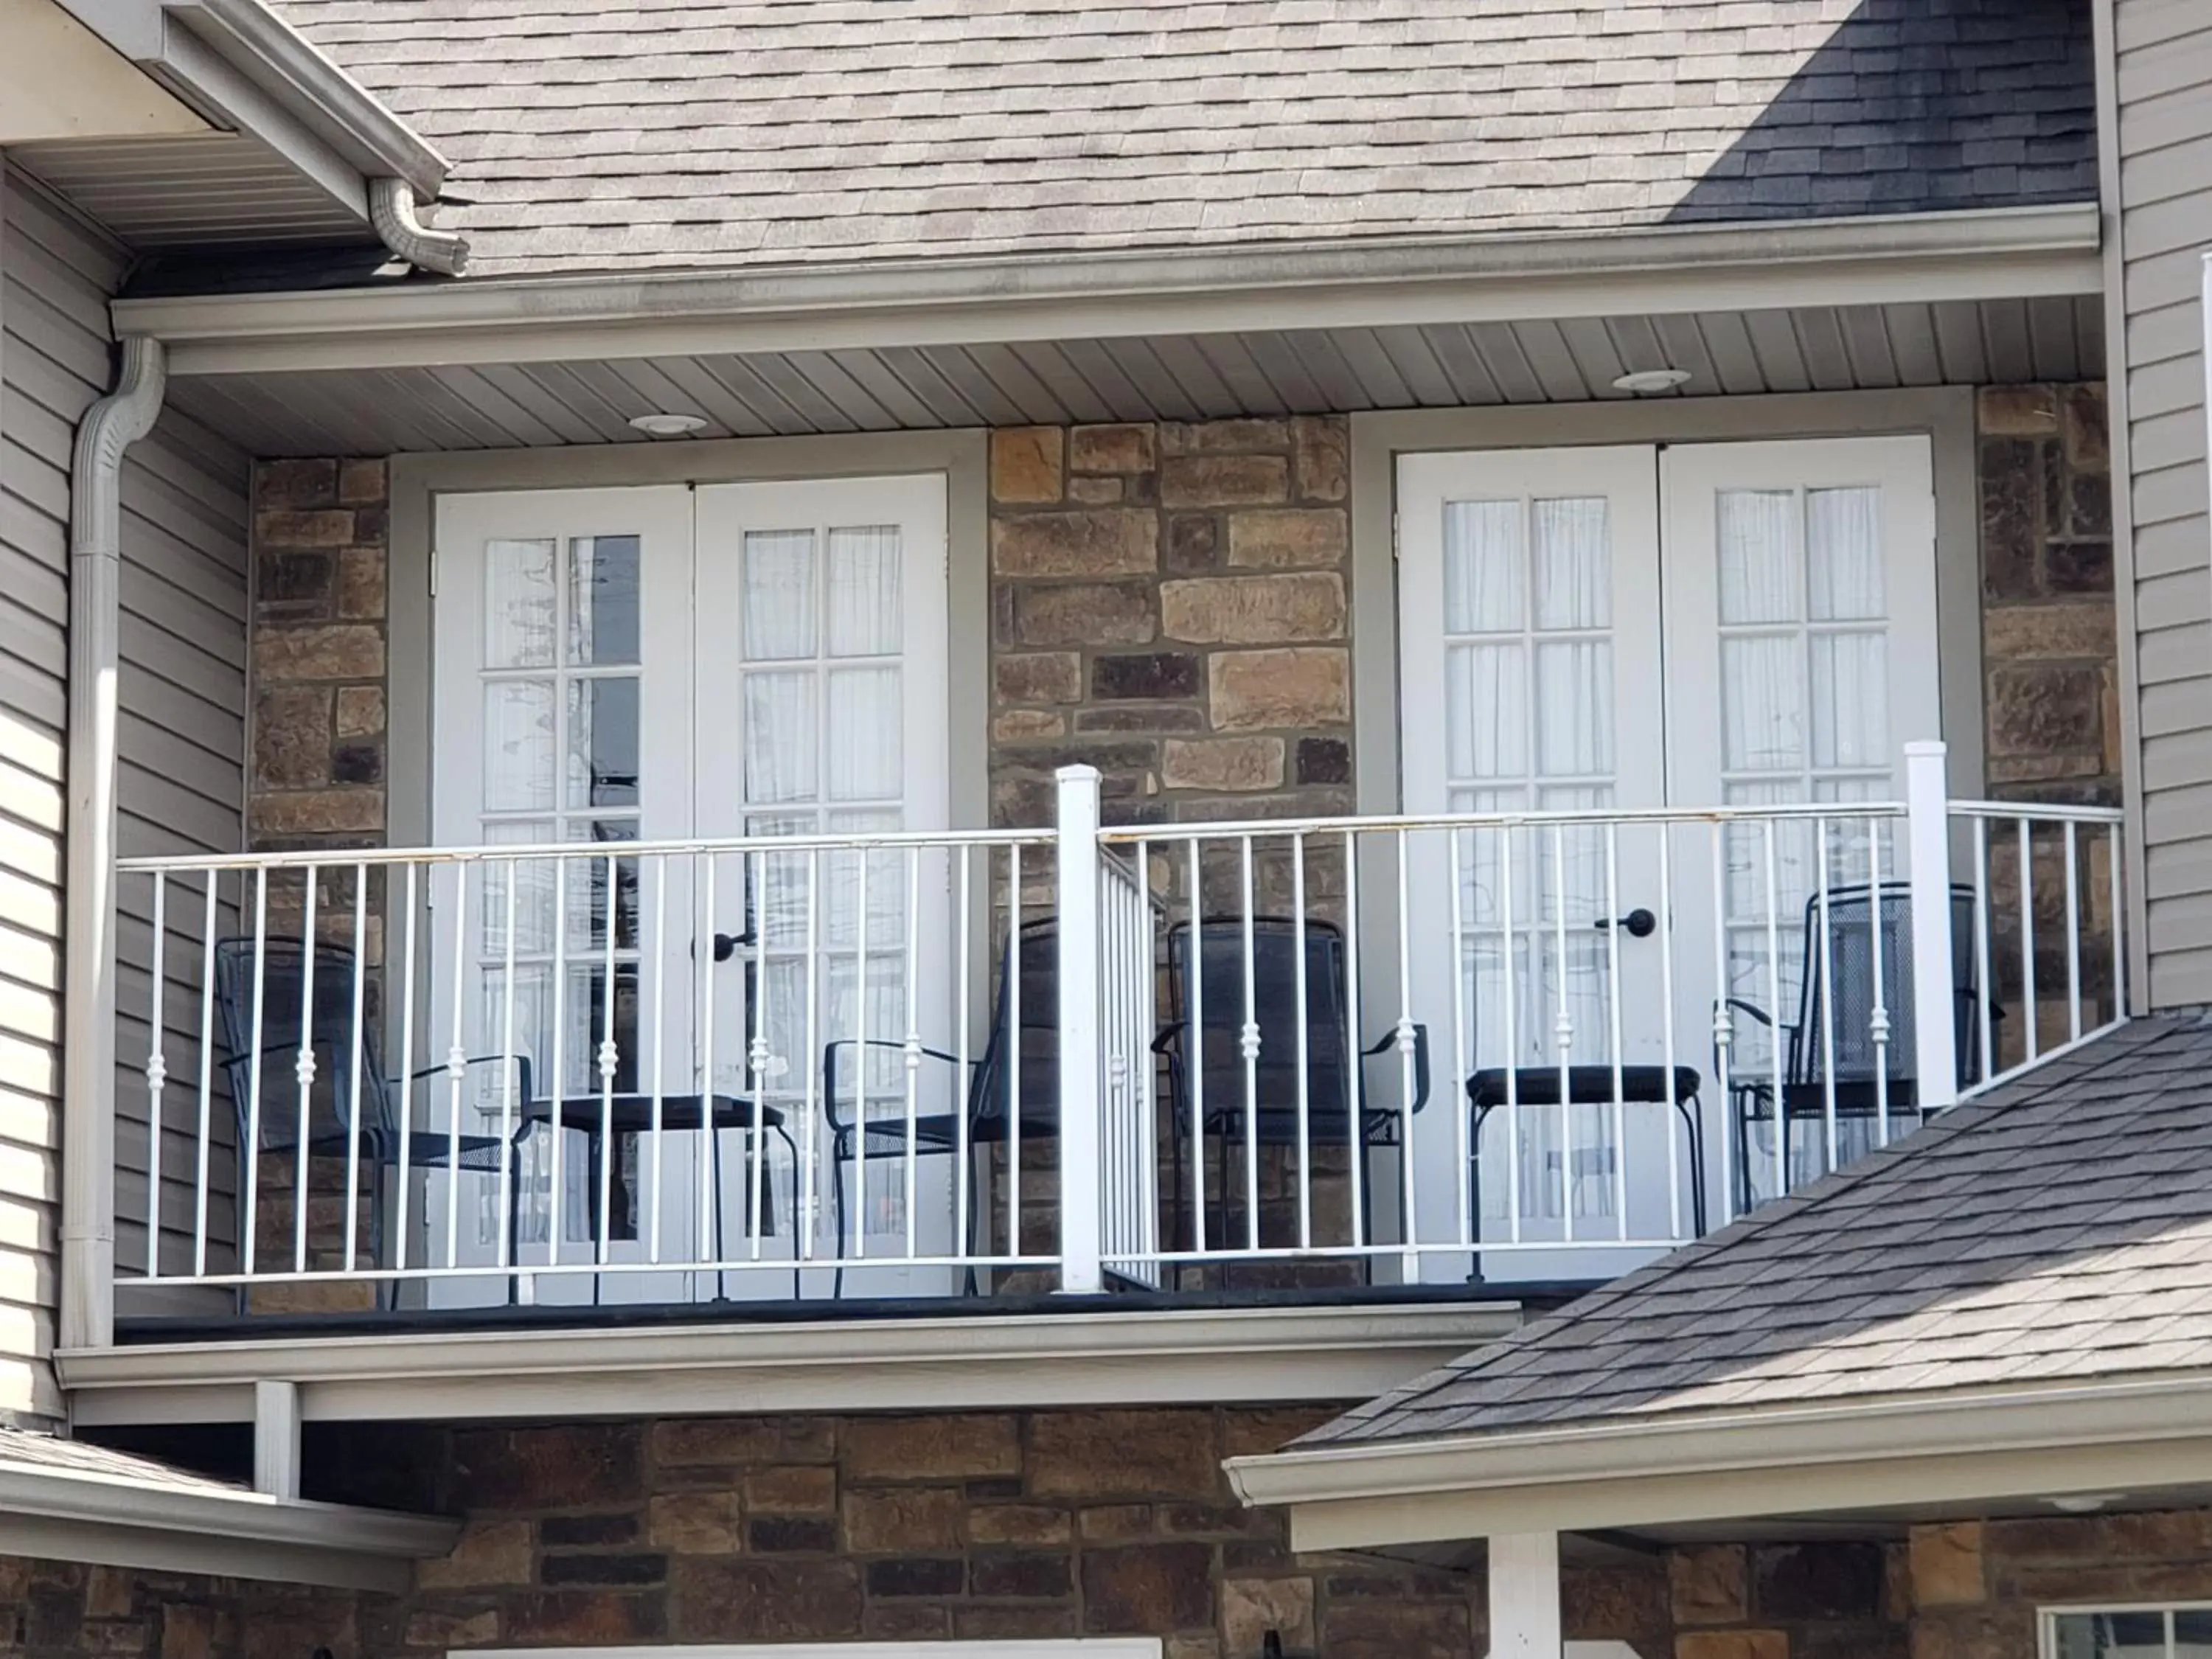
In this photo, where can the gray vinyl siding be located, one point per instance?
(2164, 84)
(182, 694)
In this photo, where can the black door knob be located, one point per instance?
(1638, 923)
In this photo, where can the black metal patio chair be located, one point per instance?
(338, 1122)
(1837, 1029)
(996, 1113)
(1208, 1079)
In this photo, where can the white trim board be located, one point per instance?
(1993, 253)
(1174, 1357)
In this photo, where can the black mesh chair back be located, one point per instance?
(1033, 1047)
(1854, 915)
(334, 1115)
(1214, 1051)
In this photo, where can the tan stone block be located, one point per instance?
(1113, 1523)
(187, 1631)
(903, 1520)
(1019, 724)
(1123, 1453)
(694, 1522)
(284, 527)
(487, 1552)
(752, 1600)
(1090, 542)
(1708, 1583)
(582, 1618)
(362, 484)
(739, 1441)
(1250, 1608)
(1096, 492)
(1946, 1564)
(792, 1489)
(361, 582)
(109, 1592)
(1298, 686)
(1227, 437)
(359, 711)
(950, 1447)
(1018, 1523)
(1018, 1623)
(1287, 538)
(320, 1296)
(1123, 448)
(292, 737)
(1195, 1644)
(295, 484)
(2019, 411)
(2045, 709)
(2088, 420)
(1085, 613)
(1322, 447)
(1039, 677)
(430, 1629)
(2079, 627)
(1224, 481)
(1230, 765)
(1025, 464)
(347, 651)
(1283, 609)
(1732, 1644)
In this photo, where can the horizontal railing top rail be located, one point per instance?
(2037, 812)
(501, 853)
(1517, 818)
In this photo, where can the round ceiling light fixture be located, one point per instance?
(668, 425)
(2087, 1502)
(1652, 380)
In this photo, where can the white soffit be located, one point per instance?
(60, 80)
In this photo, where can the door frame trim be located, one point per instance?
(417, 479)
(1944, 414)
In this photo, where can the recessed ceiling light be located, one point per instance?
(667, 425)
(2087, 1502)
(1652, 380)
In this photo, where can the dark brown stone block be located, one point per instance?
(1148, 1589)
(1154, 674)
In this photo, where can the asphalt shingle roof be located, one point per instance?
(625, 134)
(2060, 1227)
(53, 1453)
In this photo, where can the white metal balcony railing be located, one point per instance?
(1519, 1045)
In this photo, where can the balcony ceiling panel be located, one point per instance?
(1193, 377)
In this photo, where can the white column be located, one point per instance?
(1076, 890)
(1928, 830)
(277, 1438)
(1524, 1596)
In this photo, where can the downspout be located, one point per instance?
(110, 427)
(392, 210)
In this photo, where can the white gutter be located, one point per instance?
(2011, 253)
(110, 427)
(118, 1519)
(1960, 1447)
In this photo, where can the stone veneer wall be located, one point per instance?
(317, 658)
(1011, 1526)
(1171, 604)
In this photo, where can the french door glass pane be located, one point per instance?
(865, 611)
(1487, 722)
(518, 745)
(1483, 567)
(1573, 560)
(864, 726)
(1843, 555)
(603, 595)
(521, 606)
(778, 598)
(1757, 556)
(2192, 1634)
(602, 742)
(780, 738)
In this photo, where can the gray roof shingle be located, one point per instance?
(627, 134)
(2059, 1227)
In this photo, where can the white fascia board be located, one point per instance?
(1963, 1446)
(2003, 253)
(1181, 1357)
(85, 1516)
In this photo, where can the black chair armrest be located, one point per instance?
(1389, 1040)
(830, 1069)
(1171, 1036)
(1755, 1012)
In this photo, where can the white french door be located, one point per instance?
(1631, 628)
(671, 663)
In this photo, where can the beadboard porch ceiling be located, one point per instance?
(465, 406)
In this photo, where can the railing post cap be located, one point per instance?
(1077, 773)
(1925, 746)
